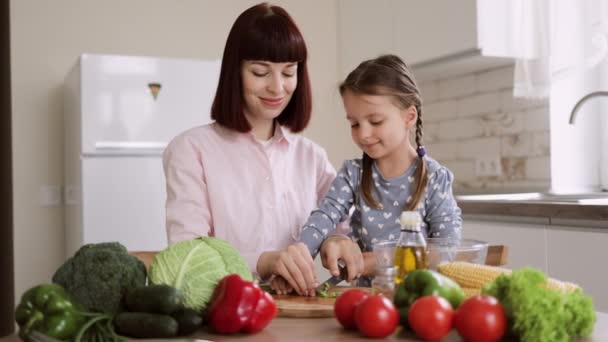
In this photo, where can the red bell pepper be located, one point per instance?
(239, 305)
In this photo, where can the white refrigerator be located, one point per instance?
(120, 114)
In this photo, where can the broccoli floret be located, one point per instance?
(98, 276)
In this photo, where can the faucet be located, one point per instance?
(584, 99)
(603, 185)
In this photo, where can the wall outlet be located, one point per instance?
(488, 167)
(51, 196)
(71, 195)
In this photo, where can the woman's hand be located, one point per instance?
(280, 285)
(294, 264)
(341, 247)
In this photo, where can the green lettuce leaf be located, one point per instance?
(538, 314)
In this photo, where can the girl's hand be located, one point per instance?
(280, 285)
(294, 264)
(341, 247)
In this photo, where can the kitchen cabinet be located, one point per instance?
(438, 38)
(427, 30)
(579, 255)
(526, 241)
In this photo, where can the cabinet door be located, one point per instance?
(425, 30)
(123, 199)
(526, 242)
(579, 255)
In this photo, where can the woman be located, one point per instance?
(248, 178)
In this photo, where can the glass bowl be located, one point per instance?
(441, 250)
(384, 251)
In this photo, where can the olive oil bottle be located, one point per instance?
(410, 253)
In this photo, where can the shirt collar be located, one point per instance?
(281, 132)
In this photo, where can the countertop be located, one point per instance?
(328, 329)
(553, 208)
(549, 210)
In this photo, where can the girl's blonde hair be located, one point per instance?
(389, 75)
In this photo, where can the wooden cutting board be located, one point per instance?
(309, 307)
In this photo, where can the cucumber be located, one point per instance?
(145, 325)
(161, 299)
(188, 320)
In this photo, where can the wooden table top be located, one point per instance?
(328, 329)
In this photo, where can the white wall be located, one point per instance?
(47, 37)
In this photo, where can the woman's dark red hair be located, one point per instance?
(267, 33)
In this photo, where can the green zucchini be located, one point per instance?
(188, 320)
(161, 299)
(145, 325)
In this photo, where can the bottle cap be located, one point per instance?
(410, 219)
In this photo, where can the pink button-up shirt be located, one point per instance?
(229, 185)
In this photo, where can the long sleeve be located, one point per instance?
(187, 208)
(326, 175)
(333, 209)
(443, 215)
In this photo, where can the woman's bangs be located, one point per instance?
(274, 39)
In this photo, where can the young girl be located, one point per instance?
(383, 107)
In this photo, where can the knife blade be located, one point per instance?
(333, 280)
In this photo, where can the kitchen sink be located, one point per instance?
(596, 198)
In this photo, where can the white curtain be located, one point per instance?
(553, 39)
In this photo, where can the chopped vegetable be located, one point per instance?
(267, 288)
(538, 314)
(324, 292)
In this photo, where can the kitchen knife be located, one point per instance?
(334, 280)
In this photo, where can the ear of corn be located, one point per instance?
(470, 292)
(474, 276)
(470, 275)
(565, 286)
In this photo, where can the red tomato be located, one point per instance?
(431, 317)
(376, 317)
(481, 319)
(344, 307)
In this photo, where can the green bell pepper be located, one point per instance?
(47, 308)
(420, 283)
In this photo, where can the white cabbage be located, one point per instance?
(196, 266)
